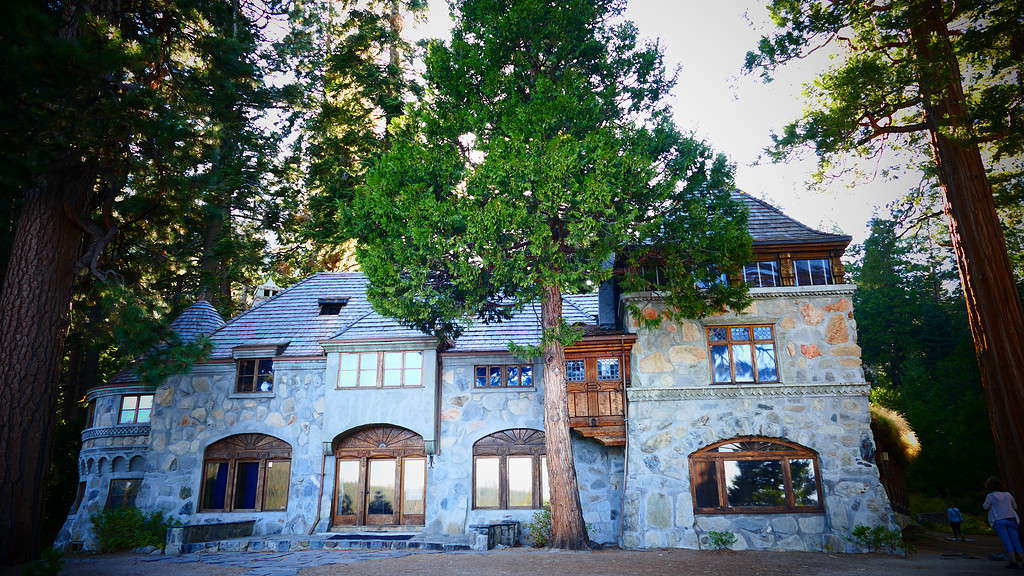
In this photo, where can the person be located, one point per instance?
(955, 518)
(1002, 516)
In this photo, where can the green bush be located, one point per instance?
(50, 563)
(540, 528)
(721, 540)
(879, 539)
(127, 528)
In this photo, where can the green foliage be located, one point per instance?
(721, 540)
(128, 527)
(975, 518)
(50, 563)
(540, 148)
(540, 528)
(879, 539)
(917, 351)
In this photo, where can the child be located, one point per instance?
(954, 517)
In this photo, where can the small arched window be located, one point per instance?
(755, 475)
(510, 470)
(246, 473)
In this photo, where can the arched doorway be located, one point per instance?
(380, 477)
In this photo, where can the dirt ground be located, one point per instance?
(935, 557)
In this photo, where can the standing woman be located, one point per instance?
(1002, 516)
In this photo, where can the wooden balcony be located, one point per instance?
(597, 372)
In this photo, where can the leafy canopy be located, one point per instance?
(540, 148)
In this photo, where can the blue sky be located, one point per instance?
(735, 112)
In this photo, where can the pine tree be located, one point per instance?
(540, 148)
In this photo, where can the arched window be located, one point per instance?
(510, 470)
(246, 473)
(755, 475)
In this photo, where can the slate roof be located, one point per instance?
(291, 319)
(199, 319)
(768, 225)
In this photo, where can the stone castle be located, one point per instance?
(314, 413)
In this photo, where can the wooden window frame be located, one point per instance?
(503, 369)
(241, 456)
(758, 262)
(379, 378)
(110, 488)
(752, 342)
(829, 273)
(255, 375)
(135, 411)
(718, 459)
(535, 449)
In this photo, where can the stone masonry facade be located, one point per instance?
(637, 495)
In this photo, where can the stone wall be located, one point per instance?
(821, 403)
(193, 411)
(469, 414)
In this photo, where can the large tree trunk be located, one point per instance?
(567, 528)
(993, 306)
(34, 305)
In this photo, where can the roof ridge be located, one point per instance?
(263, 303)
(565, 298)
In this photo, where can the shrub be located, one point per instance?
(540, 528)
(50, 563)
(721, 540)
(126, 528)
(879, 539)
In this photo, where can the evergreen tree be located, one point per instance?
(540, 148)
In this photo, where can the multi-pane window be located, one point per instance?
(247, 472)
(519, 376)
(608, 369)
(255, 375)
(122, 493)
(135, 409)
(755, 475)
(813, 272)
(742, 354)
(510, 470)
(375, 369)
(764, 274)
(575, 371)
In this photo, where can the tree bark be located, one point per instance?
(993, 306)
(568, 530)
(34, 313)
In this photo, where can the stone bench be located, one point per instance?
(179, 537)
(488, 536)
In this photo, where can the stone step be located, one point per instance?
(278, 544)
(407, 529)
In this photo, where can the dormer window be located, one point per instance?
(332, 306)
(255, 375)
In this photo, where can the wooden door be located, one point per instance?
(380, 478)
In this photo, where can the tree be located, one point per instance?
(940, 76)
(104, 102)
(352, 70)
(918, 354)
(541, 148)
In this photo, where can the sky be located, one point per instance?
(736, 112)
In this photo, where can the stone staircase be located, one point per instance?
(377, 540)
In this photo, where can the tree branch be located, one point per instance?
(883, 130)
